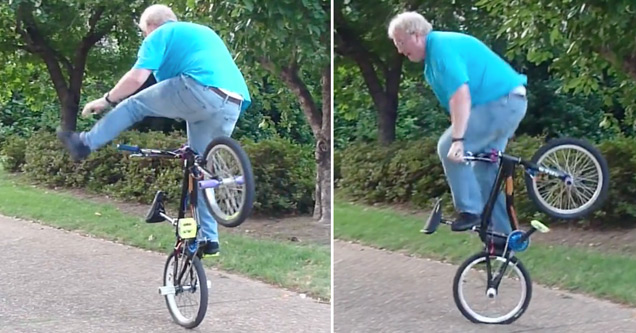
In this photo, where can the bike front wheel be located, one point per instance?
(186, 289)
(581, 192)
(481, 302)
(230, 203)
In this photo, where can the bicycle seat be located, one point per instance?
(156, 209)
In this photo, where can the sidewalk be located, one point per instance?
(57, 281)
(380, 291)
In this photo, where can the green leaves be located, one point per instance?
(286, 38)
(591, 46)
(61, 34)
(582, 37)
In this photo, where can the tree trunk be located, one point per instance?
(320, 123)
(322, 209)
(68, 114)
(67, 88)
(387, 118)
(385, 98)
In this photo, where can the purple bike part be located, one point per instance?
(214, 183)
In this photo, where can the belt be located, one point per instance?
(520, 90)
(226, 96)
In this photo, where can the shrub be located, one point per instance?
(13, 151)
(337, 158)
(410, 172)
(363, 171)
(620, 207)
(284, 172)
(285, 175)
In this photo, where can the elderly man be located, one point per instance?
(197, 80)
(486, 99)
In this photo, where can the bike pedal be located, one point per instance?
(433, 221)
(156, 209)
(167, 290)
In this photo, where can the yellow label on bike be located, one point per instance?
(187, 228)
(539, 226)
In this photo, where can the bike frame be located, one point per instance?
(192, 174)
(505, 179)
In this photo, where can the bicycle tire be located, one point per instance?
(203, 301)
(470, 314)
(587, 208)
(248, 199)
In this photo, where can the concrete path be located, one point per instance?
(380, 291)
(57, 281)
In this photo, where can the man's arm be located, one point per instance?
(460, 111)
(129, 84)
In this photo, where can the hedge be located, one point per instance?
(284, 171)
(409, 172)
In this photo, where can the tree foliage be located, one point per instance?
(361, 40)
(288, 40)
(590, 45)
(57, 35)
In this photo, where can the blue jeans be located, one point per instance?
(490, 126)
(207, 114)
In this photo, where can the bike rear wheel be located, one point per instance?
(230, 204)
(192, 280)
(578, 195)
(469, 291)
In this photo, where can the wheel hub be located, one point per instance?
(491, 293)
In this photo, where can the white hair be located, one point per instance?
(410, 23)
(156, 15)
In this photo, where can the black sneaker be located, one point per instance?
(75, 146)
(210, 248)
(465, 222)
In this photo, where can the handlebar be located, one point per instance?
(183, 152)
(156, 153)
(491, 157)
(133, 149)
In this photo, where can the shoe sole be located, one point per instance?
(65, 139)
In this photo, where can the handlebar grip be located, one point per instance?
(134, 149)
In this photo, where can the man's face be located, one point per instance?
(410, 45)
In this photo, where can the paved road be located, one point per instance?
(57, 281)
(379, 291)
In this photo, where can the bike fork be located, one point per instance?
(493, 282)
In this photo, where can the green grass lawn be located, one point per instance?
(609, 276)
(305, 268)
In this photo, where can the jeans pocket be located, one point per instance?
(229, 115)
(516, 111)
(189, 99)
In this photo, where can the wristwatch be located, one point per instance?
(457, 139)
(113, 104)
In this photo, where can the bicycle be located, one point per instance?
(500, 248)
(183, 272)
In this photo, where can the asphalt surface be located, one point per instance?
(380, 291)
(57, 281)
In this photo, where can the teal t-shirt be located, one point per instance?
(176, 48)
(454, 58)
